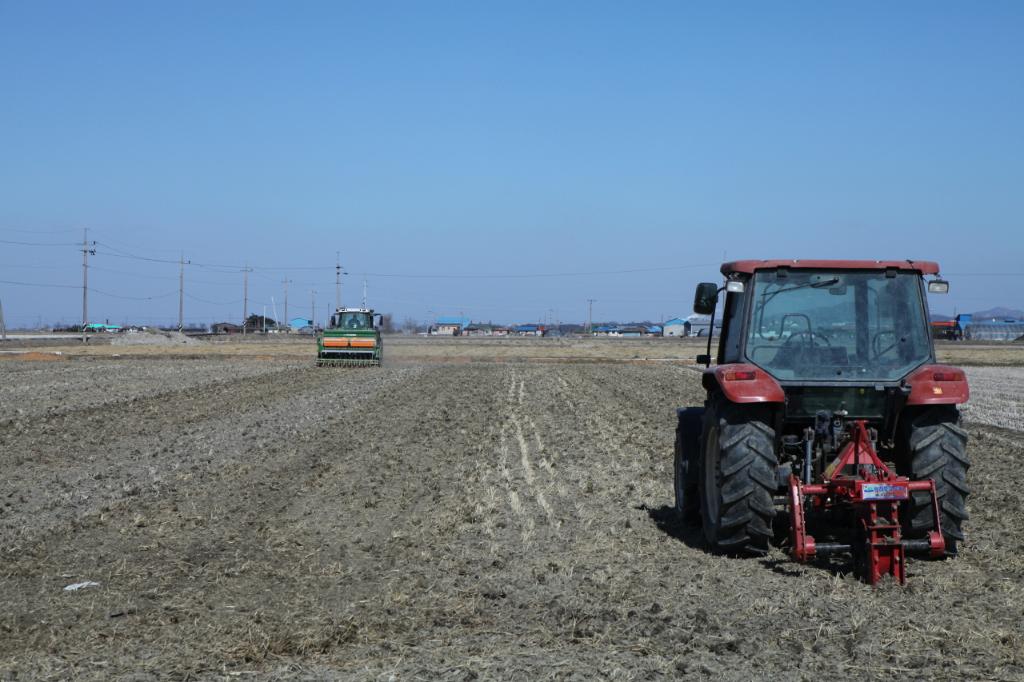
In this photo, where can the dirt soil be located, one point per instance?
(252, 517)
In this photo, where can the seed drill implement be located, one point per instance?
(352, 339)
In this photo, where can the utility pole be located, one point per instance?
(364, 292)
(181, 292)
(590, 315)
(287, 321)
(337, 278)
(3, 327)
(85, 281)
(312, 314)
(245, 296)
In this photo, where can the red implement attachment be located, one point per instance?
(858, 480)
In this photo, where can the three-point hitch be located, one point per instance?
(859, 482)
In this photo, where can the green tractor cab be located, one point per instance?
(352, 339)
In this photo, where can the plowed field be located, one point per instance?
(434, 520)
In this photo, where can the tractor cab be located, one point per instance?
(826, 393)
(833, 335)
(354, 319)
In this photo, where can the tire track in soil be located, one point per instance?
(522, 483)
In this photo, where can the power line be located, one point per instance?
(91, 289)
(543, 274)
(132, 298)
(6, 241)
(14, 229)
(36, 284)
(18, 266)
(121, 253)
(203, 300)
(143, 275)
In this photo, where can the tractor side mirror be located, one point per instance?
(378, 321)
(706, 298)
(938, 286)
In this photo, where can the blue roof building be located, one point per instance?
(446, 320)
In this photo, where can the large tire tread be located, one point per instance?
(937, 449)
(747, 465)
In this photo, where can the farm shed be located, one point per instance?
(675, 327)
(450, 326)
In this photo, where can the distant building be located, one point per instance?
(450, 326)
(675, 327)
(528, 330)
(297, 323)
(259, 323)
(655, 330)
(699, 325)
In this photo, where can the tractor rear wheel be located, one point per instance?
(687, 454)
(737, 480)
(937, 449)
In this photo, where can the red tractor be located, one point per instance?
(825, 401)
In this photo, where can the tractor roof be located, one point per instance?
(924, 267)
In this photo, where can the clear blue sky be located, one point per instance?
(510, 138)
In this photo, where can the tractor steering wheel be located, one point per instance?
(811, 336)
(876, 343)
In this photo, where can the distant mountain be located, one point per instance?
(998, 313)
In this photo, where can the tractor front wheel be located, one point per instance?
(737, 480)
(937, 449)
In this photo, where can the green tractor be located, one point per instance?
(352, 339)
